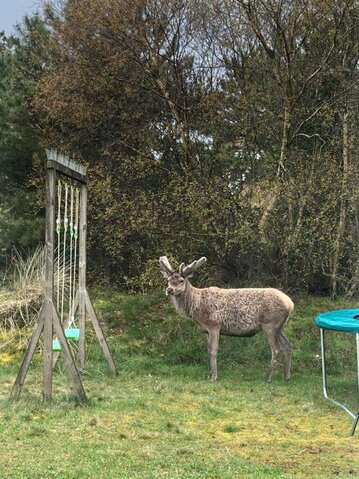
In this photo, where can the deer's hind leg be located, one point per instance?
(275, 345)
(287, 350)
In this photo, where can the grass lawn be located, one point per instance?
(161, 417)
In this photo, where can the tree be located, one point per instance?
(209, 128)
(19, 145)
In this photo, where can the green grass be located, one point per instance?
(161, 417)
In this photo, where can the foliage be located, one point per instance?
(223, 129)
(21, 224)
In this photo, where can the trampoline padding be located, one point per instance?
(346, 320)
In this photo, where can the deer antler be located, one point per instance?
(187, 270)
(166, 265)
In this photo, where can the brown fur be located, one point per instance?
(235, 312)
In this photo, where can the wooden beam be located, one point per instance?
(100, 336)
(31, 348)
(66, 171)
(68, 358)
(47, 368)
(49, 281)
(69, 166)
(82, 274)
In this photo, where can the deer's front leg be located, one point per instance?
(213, 340)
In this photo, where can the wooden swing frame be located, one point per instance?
(49, 318)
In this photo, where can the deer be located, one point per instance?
(233, 312)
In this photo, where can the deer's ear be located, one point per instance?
(164, 273)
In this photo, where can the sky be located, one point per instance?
(12, 11)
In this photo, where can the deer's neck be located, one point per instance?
(187, 304)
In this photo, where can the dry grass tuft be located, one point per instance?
(21, 300)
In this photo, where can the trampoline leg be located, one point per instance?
(356, 420)
(355, 423)
(325, 383)
(324, 371)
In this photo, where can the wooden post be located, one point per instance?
(49, 285)
(82, 274)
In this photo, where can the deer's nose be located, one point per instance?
(169, 290)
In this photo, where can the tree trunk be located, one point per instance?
(281, 165)
(291, 241)
(343, 208)
(355, 277)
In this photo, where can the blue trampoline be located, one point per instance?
(347, 321)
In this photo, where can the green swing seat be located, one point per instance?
(72, 334)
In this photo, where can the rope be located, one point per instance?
(68, 201)
(71, 243)
(58, 232)
(76, 225)
(66, 221)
